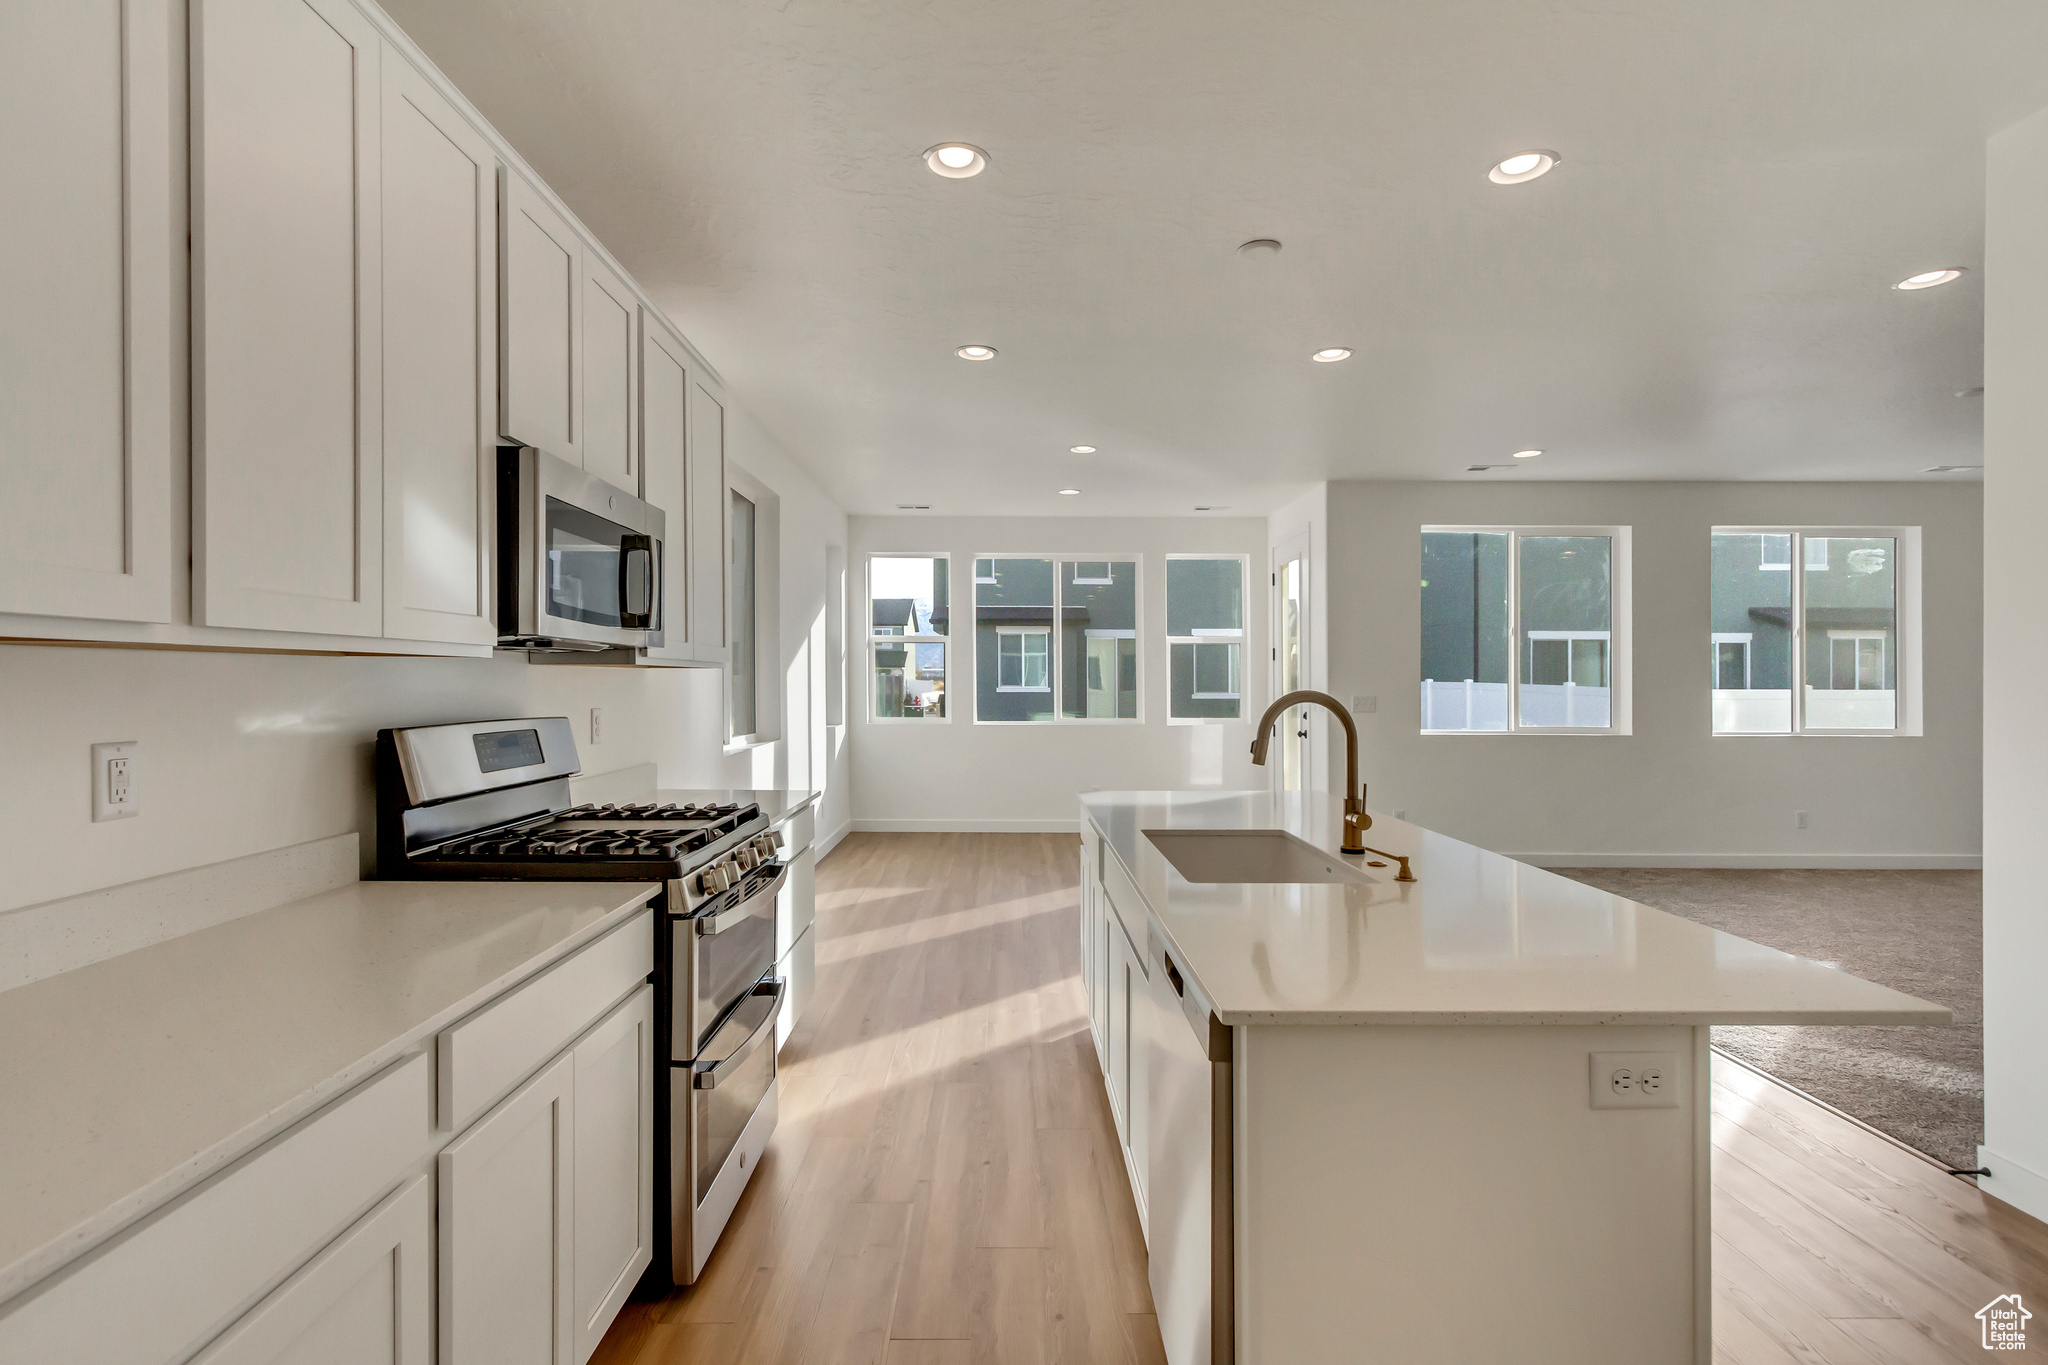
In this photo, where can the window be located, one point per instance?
(1055, 639)
(1023, 660)
(1834, 623)
(1205, 637)
(1525, 630)
(907, 629)
(743, 678)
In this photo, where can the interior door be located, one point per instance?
(1290, 662)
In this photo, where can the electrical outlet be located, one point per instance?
(597, 725)
(1400, 812)
(1363, 705)
(1634, 1080)
(1799, 819)
(113, 780)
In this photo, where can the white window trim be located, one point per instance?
(1620, 629)
(909, 639)
(1745, 638)
(1053, 659)
(1906, 617)
(1211, 635)
(1023, 632)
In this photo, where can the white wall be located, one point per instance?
(2015, 663)
(1669, 792)
(954, 774)
(247, 752)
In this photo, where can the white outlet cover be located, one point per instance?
(1635, 1080)
(104, 806)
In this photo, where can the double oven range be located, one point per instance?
(490, 801)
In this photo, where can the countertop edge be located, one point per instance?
(60, 1251)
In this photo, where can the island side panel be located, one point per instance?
(1450, 1193)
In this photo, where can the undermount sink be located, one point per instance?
(1251, 855)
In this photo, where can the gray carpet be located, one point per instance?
(1919, 932)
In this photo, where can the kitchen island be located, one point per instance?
(1462, 1118)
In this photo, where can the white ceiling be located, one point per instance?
(1700, 290)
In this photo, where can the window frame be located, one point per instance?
(735, 738)
(1056, 652)
(912, 638)
(1906, 625)
(1242, 638)
(1745, 638)
(1620, 630)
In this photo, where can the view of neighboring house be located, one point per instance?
(1830, 600)
(907, 621)
(1552, 614)
(1055, 638)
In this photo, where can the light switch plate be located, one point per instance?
(1634, 1080)
(113, 780)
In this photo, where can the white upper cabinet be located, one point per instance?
(611, 341)
(440, 364)
(541, 295)
(709, 509)
(665, 465)
(287, 451)
(87, 442)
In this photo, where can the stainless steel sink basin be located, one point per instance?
(1251, 855)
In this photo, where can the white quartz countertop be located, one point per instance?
(1477, 938)
(126, 1081)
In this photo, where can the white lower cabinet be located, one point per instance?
(362, 1301)
(1119, 1010)
(613, 1157)
(508, 1207)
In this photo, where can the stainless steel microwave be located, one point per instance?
(579, 560)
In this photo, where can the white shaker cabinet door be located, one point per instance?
(710, 508)
(614, 1156)
(665, 467)
(540, 298)
(286, 385)
(88, 274)
(611, 337)
(440, 364)
(362, 1301)
(507, 1221)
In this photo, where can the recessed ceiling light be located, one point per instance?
(1080, 450)
(1213, 507)
(1977, 392)
(1259, 248)
(1331, 354)
(1482, 468)
(1927, 279)
(1070, 492)
(956, 160)
(1523, 167)
(1527, 454)
(913, 507)
(976, 353)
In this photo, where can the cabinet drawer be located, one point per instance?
(160, 1291)
(798, 831)
(1126, 906)
(486, 1055)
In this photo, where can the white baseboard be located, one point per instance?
(1956, 862)
(2020, 1186)
(826, 843)
(42, 940)
(967, 826)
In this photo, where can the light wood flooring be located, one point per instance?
(945, 1187)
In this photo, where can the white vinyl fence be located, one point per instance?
(1768, 711)
(1484, 706)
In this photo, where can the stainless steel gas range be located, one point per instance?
(490, 800)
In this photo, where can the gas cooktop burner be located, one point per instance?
(576, 843)
(690, 810)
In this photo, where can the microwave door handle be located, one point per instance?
(706, 1076)
(635, 548)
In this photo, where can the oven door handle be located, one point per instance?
(745, 909)
(707, 1075)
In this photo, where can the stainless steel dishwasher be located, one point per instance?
(1189, 1226)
